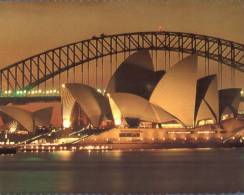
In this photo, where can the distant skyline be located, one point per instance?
(30, 28)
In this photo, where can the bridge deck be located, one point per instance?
(24, 100)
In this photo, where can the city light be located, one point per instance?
(27, 93)
(99, 90)
(13, 126)
(205, 122)
(7, 92)
(205, 132)
(160, 28)
(66, 123)
(171, 125)
(178, 132)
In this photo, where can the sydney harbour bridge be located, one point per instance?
(94, 60)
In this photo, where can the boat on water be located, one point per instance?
(8, 150)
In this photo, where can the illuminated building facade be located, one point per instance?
(137, 96)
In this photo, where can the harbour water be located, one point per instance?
(135, 171)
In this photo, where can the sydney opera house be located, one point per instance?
(140, 102)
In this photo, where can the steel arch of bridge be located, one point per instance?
(36, 69)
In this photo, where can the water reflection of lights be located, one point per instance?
(203, 149)
(117, 153)
(178, 149)
(65, 155)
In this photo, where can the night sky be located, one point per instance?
(30, 28)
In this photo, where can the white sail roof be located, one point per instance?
(92, 103)
(207, 99)
(28, 119)
(132, 106)
(140, 58)
(229, 100)
(176, 91)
